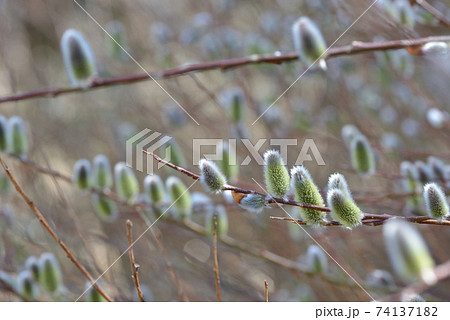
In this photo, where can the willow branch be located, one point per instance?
(134, 267)
(435, 12)
(355, 47)
(368, 220)
(49, 229)
(216, 262)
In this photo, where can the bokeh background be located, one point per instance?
(386, 97)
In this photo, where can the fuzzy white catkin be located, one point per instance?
(276, 175)
(211, 177)
(435, 201)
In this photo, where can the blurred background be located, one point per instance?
(399, 101)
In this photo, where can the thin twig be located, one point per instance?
(216, 262)
(355, 48)
(266, 291)
(134, 267)
(369, 219)
(49, 229)
(441, 272)
(435, 12)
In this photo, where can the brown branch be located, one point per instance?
(216, 262)
(369, 219)
(441, 272)
(266, 291)
(435, 12)
(355, 48)
(134, 267)
(49, 229)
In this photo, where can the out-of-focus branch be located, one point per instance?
(435, 12)
(441, 272)
(49, 229)
(356, 47)
(216, 263)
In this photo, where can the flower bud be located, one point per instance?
(337, 181)
(101, 172)
(409, 172)
(180, 197)
(175, 153)
(78, 57)
(343, 209)
(349, 132)
(381, 279)
(32, 264)
(363, 159)
(435, 49)
(306, 192)
(81, 176)
(316, 259)
(105, 208)
(26, 286)
(425, 172)
(154, 188)
(436, 118)
(275, 173)
(438, 168)
(127, 185)
(231, 171)
(221, 218)
(210, 176)
(50, 276)
(308, 41)
(250, 202)
(407, 250)
(92, 295)
(435, 201)
(3, 133)
(17, 134)
(234, 102)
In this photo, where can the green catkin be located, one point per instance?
(180, 197)
(407, 251)
(78, 58)
(221, 218)
(81, 176)
(175, 153)
(363, 159)
(425, 172)
(26, 286)
(102, 176)
(250, 202)
(231, 171)
(17, 137)
(3, 133)
(275, 173)
(348, 133)
(50, 276)
(343, 209)
(337, 181)
(234, 102)
(306, 192)
(308, 41)
(210, 176)
(316, 259)
(92, 295)
(127, 186)
(435, 201)
(105, 208)
(154, 189)
(32, 264)
(438, 168)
